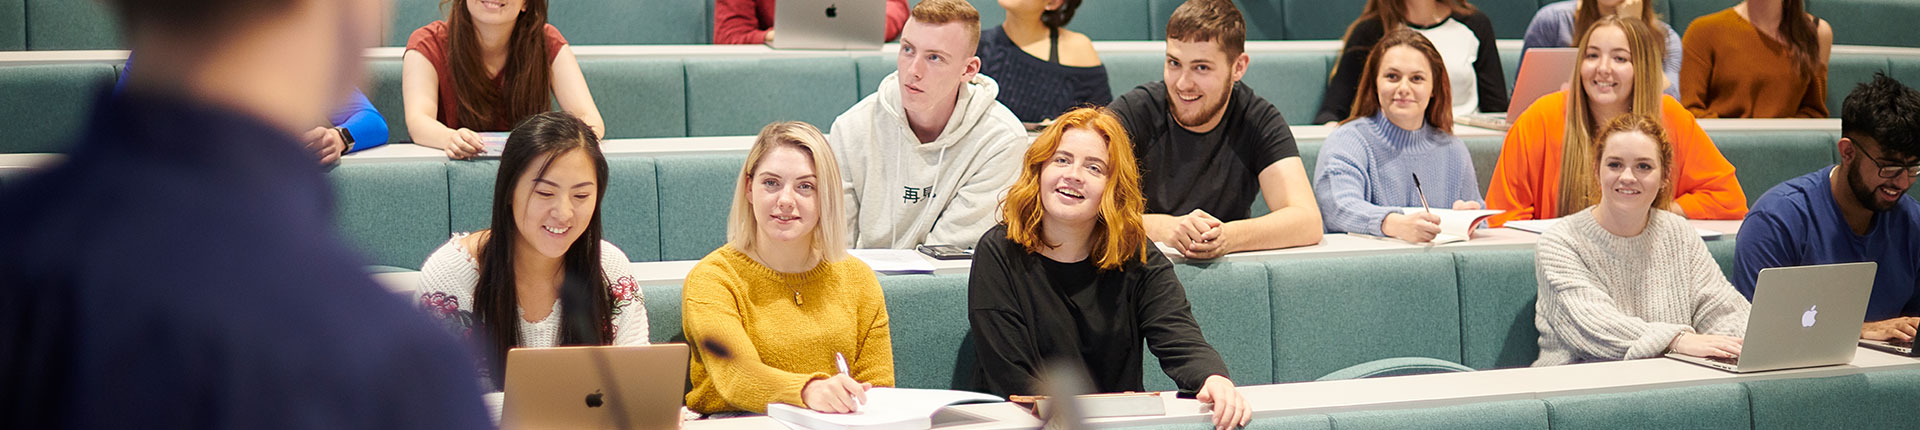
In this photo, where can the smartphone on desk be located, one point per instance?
(945, 252)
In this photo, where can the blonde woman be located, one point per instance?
(1544, 172)
(768, 312)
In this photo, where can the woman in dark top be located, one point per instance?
(1462, 33)
(1043, 68)
(1069, 277)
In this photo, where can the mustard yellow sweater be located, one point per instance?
(775, 345)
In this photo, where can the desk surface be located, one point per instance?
(393, 53)
(1432, 390)
(1332, 245)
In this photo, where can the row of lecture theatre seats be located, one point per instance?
(663, 96)
(85, 24)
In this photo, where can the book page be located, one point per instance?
(886, 408)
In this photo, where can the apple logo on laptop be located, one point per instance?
(593, 400)
(833, 11)
(1806, 319)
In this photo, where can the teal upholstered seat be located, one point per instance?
(1229, 301)
(1331, 313)
(48, 104)
(1718, 406)
(696, 193)
(395, 213)
(1516, 414)
(1497, 290)
(70, 24)
(928, 317)
(730, 97)
(639, 97)
(13, 25)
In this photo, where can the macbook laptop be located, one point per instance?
(1803, 316)
(1896, 346)
(595, 387)
(829, 24)
(1542, 71)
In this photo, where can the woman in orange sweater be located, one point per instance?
(1535, 180)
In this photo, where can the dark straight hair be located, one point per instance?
(528, 76)
(587, 309)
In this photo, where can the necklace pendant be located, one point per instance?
(796, 299)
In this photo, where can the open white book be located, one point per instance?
(1455, 225)
(1539, 226)
(886, 408)
(893, 261)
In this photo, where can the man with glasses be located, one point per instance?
(1854, 211)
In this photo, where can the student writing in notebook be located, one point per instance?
(539, 276)
(1402, 126)
(1624, 279)
(1542, 172)
(782, 297)
(488, 66)
(1068, 275)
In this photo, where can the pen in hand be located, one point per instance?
(841, 361)
(1423, 193)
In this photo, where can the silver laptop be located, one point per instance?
(595, 387)
(1542, 71)
(1803, 316)
(829, 24)
(1893, 346)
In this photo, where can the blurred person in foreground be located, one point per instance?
(179, 268)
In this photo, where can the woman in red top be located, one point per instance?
(490, 64)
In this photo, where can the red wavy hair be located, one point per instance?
(1119, 235)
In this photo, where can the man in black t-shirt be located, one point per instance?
(1207, 144)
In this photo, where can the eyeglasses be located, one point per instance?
(1892, 171)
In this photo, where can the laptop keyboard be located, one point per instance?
(1900, 343)
(1735, 361)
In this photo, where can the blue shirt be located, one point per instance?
(1366, 169)
(179, 271)
(358, 116)
(1798, 223)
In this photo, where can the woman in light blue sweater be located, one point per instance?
(1401, 127)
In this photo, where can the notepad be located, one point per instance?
(886, 408)
(1538, 226)
(893, 261)
(1455, 225)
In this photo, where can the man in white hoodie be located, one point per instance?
(927, 158)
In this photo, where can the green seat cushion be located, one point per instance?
(1762, 160)
(50, 102)
(738, 96)
(71, 24)
(395, 213)
(1515, 414)
(696, 194)
(1332, 313)
(633, 22)
(1229, 301)
(663, 313)
(1871, 400)
(928, 318)
(1719, 406)
(639, 97)
(1497, 290)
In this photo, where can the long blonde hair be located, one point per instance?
(1578, 185)
(829, 241)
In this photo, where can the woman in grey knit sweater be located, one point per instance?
(1623, 280)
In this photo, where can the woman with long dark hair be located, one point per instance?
(1757, 59)
(489, 65)
(540, 276)
(1462, 33)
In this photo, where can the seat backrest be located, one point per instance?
(1331, 313)
(395, 213)
(1229, 300)
(738, 96)
(69, 24)
(696, 194)
(48, 103)
(1497, 291)
(1717, 406)
(639, 97)
(928, 318)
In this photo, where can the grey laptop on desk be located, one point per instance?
(829, 24)
(595, 387)
(1542, 71)
(1803, 316)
